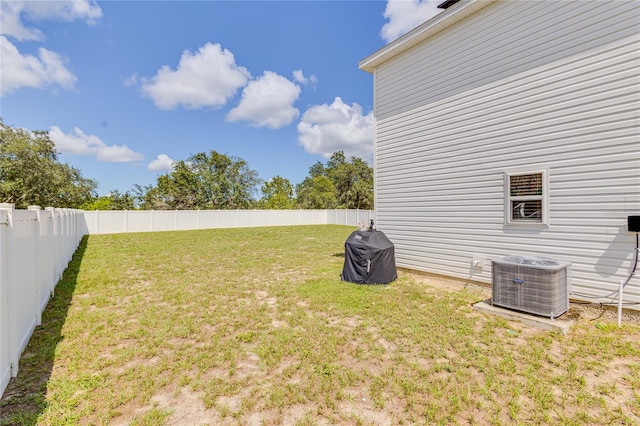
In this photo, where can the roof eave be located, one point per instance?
(443, 20)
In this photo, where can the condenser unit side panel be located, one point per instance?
(528, 289)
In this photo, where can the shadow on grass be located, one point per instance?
(24, 398)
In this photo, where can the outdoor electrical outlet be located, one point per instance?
(478, 262)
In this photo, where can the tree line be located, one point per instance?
(32, 174)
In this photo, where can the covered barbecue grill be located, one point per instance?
(369, 258)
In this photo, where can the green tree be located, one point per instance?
(340, 184)
(317, 170)
(148, 197)
(30, 173)
(125, 201)
(353, 180)
(203, 181)
(100, 203)
(277, 193)
(317, 192)
(114, 201)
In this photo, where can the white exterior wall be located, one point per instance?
(515, 86)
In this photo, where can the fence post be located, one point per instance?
(6, 346)
(38, 251)
(58, 227)
(62, 240)
(68, 240)
(51, 250)
(54, 246)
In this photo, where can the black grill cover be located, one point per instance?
(369, 258)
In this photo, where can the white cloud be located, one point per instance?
(267, 102)
(405, 15)
(207, 78)
(79, 143)
(162, 163)
(325, 129)
(13, 13)
(17, 70)
(299, 76)
(132, 80)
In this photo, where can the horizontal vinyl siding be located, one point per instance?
(518, 86)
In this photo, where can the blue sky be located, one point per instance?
(126, 87)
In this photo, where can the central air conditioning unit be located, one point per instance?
(536, 285)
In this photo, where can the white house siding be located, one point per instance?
(515, 86)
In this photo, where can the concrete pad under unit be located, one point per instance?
(527, 319)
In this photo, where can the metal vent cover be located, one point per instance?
(536, 285)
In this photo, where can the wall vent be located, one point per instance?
(535, 285)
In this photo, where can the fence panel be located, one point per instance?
(23, 294)
(43, 259)
(185, 220)
(35, 247)
(265, 218)
(209, 219)
(227, 219)
(245, 218)
(142, 222)
(113, 222)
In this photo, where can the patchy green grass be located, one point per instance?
(254, 326)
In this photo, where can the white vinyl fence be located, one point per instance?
(123, 221)
(35, 247)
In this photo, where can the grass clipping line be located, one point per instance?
(254, 326)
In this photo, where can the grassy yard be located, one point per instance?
(254, 326)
